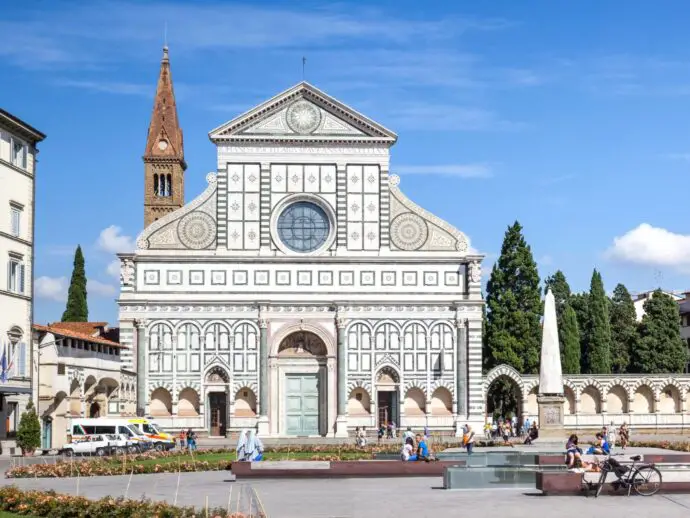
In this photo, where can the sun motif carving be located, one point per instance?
(409, 231)
(197, 230)
(303, 117)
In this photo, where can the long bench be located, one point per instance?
(345, 468)
(569, 483)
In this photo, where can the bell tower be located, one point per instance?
(164, 164)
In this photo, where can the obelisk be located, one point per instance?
(551, 397)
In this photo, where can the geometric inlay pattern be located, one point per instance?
(409, 231)
(197, 230)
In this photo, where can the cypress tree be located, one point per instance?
(598, 350)
(77, 309)
(660, 348)
(580, 304)
(513, 329)
(570, 333)
(624, 335)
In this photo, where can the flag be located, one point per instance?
(3, 363)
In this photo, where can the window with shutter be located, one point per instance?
(21, 278)
(16, 217)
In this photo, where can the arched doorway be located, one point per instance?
(388, 396)
(302, 358)
(216, 382)
(94, 410)
(504, 394)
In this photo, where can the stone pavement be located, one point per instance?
(366, 498)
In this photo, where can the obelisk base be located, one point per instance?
(551, 425)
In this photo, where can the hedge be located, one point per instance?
(54, 505)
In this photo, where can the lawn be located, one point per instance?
(4, 514)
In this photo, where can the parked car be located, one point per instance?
(121, 444)
(87, 445)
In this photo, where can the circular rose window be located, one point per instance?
(303, 227)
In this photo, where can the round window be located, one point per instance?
(303, 226)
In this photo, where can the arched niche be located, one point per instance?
(161, 403)
(302, 344)
(441, 402)
(415, 402)
(245, 403)
(617, 400)
(359, 403)
(590, 400)
(188, 403)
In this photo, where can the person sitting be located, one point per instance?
(254, 447)
(407, 449)
(241, 448)
(422, 449)
(573, 453)
(361, 437)
(533, 434)
(600, 447)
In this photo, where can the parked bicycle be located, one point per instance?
(644, 479)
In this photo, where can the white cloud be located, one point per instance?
(112, 240)
(113, 269)
(51, 288)
(100, 289)
(459, 170)
(652, 246)
(109, 87)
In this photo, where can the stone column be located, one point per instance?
(141, 367)
(263, 374)
(341, 419)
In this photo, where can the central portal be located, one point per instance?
(302, 364)
(302, 404)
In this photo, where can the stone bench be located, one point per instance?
(569, 483)
(345, 469)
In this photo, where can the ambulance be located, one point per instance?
(161, 440)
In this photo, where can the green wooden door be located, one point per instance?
(302, 404)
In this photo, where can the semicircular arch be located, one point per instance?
(326, 337)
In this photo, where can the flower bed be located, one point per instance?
(666, 445)
(202, 460)
(53, 505)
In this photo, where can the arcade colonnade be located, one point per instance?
(322, 372)
(659, 401)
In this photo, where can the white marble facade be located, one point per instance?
(302, 291)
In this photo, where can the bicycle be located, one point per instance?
(644, 479)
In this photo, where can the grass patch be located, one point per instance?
(5, 514)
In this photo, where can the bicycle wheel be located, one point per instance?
(646, 480)
(602, 480)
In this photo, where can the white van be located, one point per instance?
(104, 425)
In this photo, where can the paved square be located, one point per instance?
(365, 498)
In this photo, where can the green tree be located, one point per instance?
(29, 431)
(580, 304)
(624, 335)
(77, 309)
(570, 341)
(598, 344)
(660, 348)
(513, 329)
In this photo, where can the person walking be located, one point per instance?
(624, 435)
(468, 439)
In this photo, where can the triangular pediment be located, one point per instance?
(303, 113)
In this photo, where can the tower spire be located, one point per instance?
(164, 163)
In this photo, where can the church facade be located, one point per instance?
(302, 292)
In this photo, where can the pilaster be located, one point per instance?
(222, 208)
(341, 419)
(461, 371)
(265, 206)
(263, 374)
(384, 209)
(142, 367)
(341, 206)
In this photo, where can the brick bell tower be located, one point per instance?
(164, 164)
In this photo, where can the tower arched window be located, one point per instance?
(169, 191)
(155, 185)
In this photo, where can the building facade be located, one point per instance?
(80, 374)
(302, 292)
(18, 152)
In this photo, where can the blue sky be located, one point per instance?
(571, 117)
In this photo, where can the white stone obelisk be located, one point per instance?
(550, 398)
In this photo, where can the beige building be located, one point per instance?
(80, 374)
(18, 152)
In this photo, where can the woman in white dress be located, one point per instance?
(241, 449)
(254, 447)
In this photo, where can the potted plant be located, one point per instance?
(29, 432)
